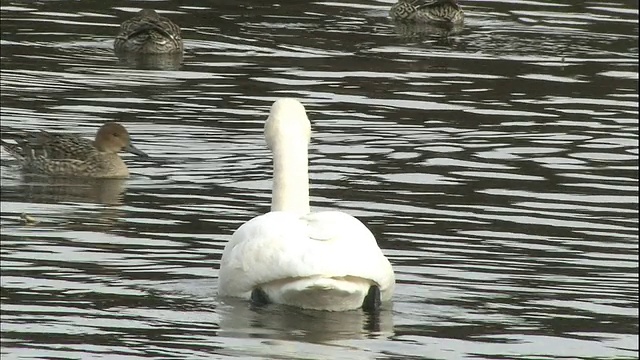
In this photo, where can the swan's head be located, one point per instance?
(287, 124)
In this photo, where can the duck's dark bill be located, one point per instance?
(134, 150)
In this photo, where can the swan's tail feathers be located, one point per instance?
(322, 293)
(372, 301)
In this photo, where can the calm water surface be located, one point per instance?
(498, 168)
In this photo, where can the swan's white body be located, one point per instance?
(325, 260)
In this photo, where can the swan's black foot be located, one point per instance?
(259, 297)
(372, 301)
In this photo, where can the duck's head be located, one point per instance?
(148, 13)
(287, 124)
(113, 138)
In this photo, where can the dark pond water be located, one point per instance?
(498, 169)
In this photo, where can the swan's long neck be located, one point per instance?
(291, 178)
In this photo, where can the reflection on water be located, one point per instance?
(237, 319)
(171, 61)
(497, 166)
(38, 189)
(324, 334)
(425, 30)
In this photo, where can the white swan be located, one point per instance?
(325, 260)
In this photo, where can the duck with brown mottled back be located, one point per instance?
(148, 33)
(69, 155)
(437, 12)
